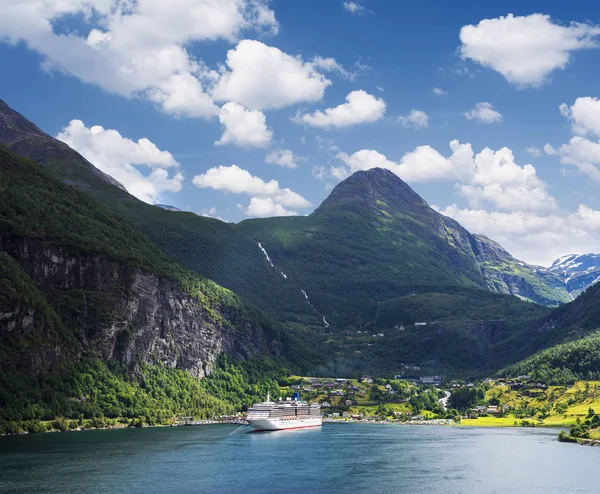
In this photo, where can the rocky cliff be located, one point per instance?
(117, 311)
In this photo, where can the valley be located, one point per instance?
(373, 281)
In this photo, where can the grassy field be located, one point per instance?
(552, 406)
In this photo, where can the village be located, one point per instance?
(431, 400)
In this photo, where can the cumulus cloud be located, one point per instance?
(484, 113)
(121, 158)
(581, 152)
(283, 157)
(136, 49)
(261, 207)
(533, 151)
(360, 107)
(242, 127)
(525, 49)
(439, 91)
(239, 181)
(535, 238)
(584, 115)
(488, 177)
(416, 118)
(282, 79)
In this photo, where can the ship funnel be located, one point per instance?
(296, 396)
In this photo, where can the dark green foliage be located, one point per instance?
(92, 389)
(34, 204)
(464, 399)
(457, 304)
(564, 363)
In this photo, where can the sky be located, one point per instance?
(253, 108)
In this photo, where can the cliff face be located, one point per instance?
(116, 311)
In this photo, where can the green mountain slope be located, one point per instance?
(78, 279)
(374, 247)
(207, 246)
(390, 245)
(375, 239)
(563, 363)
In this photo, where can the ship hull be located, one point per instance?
(263, 425)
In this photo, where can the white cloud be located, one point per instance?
(525, 50)
(244, 128)
(261, 207)
(535, 238)
(283, 157)
(584, 115)
(416, 118)
(549, 150)
(211, 213)
(488, 177)
(120, 158)
(360, 107)
(263, 77)
(135, 49)
(533, 151)
(239, 181)
(354, 8)
(582, 153)
(439, 91)
(484, 113)
(332, 65)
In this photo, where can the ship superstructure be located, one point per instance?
(290, 413)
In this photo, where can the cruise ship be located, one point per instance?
(290, 413)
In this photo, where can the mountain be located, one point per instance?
(373, 257)
(569, 338)
(207, 246)
(374, 239)
(78, 280)
(577, 271)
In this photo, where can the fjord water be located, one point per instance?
(336, 458)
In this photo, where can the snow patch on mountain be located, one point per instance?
(577, 271)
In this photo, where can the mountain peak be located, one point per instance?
(25, 138)
(376, 188)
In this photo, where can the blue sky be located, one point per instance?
(183, 103)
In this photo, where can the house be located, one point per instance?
(335, 414)
(340, 380)
(337, 392)
(325, 404)
(357, 416)
(366, 379)
(295, 386)
(381, 335)
(388, 386)
(317, 385)
(349, 403)
(346, 415)
(420, 324)
(313, 380)
(492, 409)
